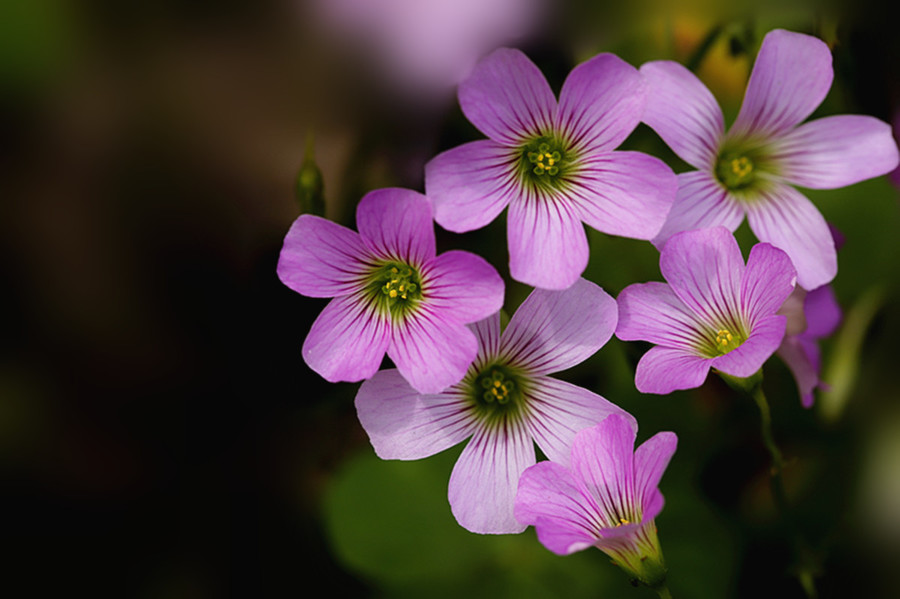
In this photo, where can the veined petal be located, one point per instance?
(701, 203)
(551, 501)
(321, 258)
(558, 410)
(429, 352)
(704, 269)
(768, 281)
(663, 369)
(507, 97)
(396, 223)
(487, 331)
(347, 341)
(471, 184)
(462, 286)
(554, 330)
(484, 481)
(784, 217)
(746, 359)
(404, 424)
(836, 151)
(624, 193)
(683, 113)
(547, 244)
(652, 312)
(600, 104)
(650, 462)
(791, 77)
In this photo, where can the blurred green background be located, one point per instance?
(160, 435)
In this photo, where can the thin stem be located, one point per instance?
(663, 592)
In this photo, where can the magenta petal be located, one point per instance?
(705, 268)
(663, 370)
(554, 330)
(683, 112)
(785, 218)
(507, 97)
(701, 203)
(558, 410)
(547, 244)
(768, 281)
(462, 286)
(430, 353)
(396, 223)
(806, 373)
(404, 424)
(600, 103)
(836, 151)
(321, 259)
(650, 462)
(746, 359)
(484, 481)
(347, 341)
(624, 193)
(551, 501)
(652, 312)
(603, 457)
(471, 184)
(791, 77)
(823, 313)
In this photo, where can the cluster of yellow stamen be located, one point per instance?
(399, 284)
(497, 387)
(545, 161)
(741, 167)
(623, 521)
(735, 171)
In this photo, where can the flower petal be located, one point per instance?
(461, 286)
(558, 410)
(547, 244)
(507, 97)
(396, 223)
(321, 258)
(431, 353)
(836, 151)
(347, 341)
(652, 312)
(746, 359)
(683, 112)
(768, 281)
(554, 330)
(650, 462)
(705, 268)
(823, 313)
(791, 77)
(471, 184)
(484, 481)
(404, 424)
(785, 218)
(663, 369)
(806, 374)
(600, 104)
(487, 331)
(624, 193)
(701, 203)
(551, 501)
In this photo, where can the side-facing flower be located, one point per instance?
(811, 316)
(505, 403)
(552, 163)
(713, 313)
(391, 293)
(607, 498)
(750, 169)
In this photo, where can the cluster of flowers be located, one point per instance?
(555, 166)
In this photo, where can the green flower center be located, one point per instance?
(496, 391)
(735, 170)
(543, 161)
(395, 287)
(724, 341)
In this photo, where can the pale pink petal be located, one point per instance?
(662, 370)
(558, 410)
(487, 331)
(652, 312)
(784, 217)
(768, 281)
(555, 330)
(484, 481)
(683, 113)
(462, 286)
(600, 104)
(347, 341)
(404, 424)
(791, 77)
(624, 193)
(471, 184)
(507, 97)
(836, 151)
(396, 223)
(650, 462)
(701, 203)
(321, 258)
(746, 359)
(603, 458)
(547, 244)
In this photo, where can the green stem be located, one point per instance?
(663, 592)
